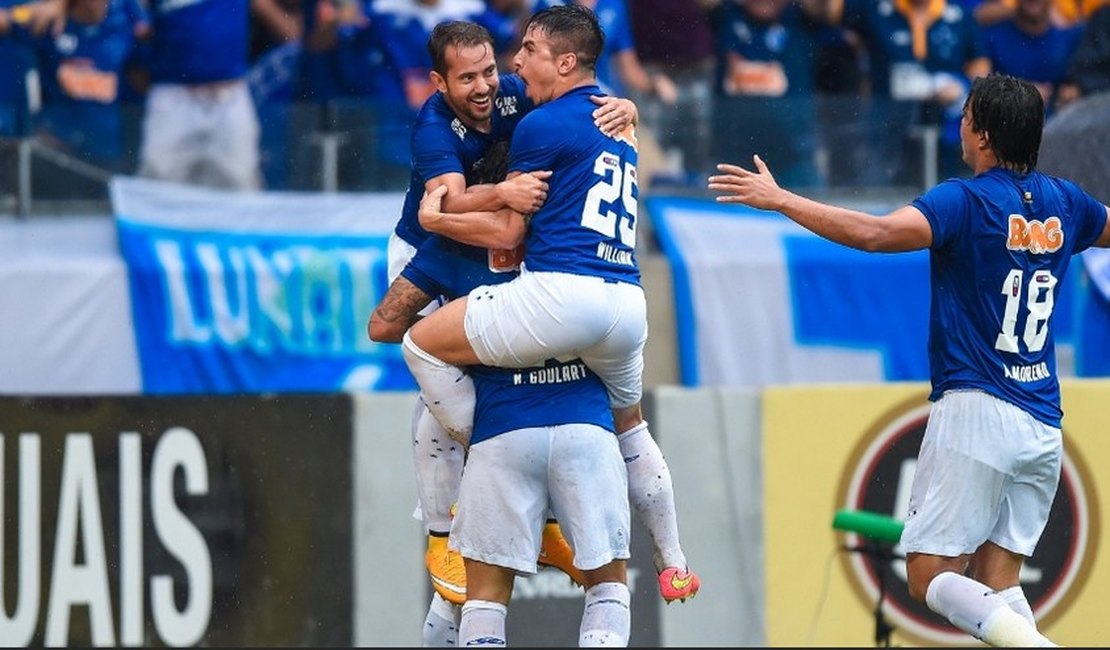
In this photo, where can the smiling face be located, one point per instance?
(538, 65)
(470, 83)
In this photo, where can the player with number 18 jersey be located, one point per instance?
(1014, 234)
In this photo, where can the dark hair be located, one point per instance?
(1011, 113)
(571, 28)
(454, 33)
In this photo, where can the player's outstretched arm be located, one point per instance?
(501, 229)
(397, 311)
(902, 230)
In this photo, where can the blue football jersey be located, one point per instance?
(557, 393)
(444, 267)
(1001, 246)
(588, 224)
(442, 144)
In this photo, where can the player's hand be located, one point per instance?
(614, 114)
(524, 193)
(431, 205)
(757, 189)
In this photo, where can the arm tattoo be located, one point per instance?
(401, 303)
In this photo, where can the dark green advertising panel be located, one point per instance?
(218, 521)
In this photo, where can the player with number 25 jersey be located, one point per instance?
(588, 225)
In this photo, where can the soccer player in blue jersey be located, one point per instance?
(461, 135)
(443, 267)
(999, 245)
(579, 292)
(460, 143)
(543, 437)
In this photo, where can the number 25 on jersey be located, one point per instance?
(617, 189)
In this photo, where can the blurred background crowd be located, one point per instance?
(320, 94)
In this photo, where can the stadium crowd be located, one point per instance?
(252, 93)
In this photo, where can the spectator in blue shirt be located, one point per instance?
(200, 124)
(768, 66)
(80, 71)
(1030, 47)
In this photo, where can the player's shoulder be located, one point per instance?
(567, 115)
(434, 111)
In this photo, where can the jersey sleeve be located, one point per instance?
(421, 269)
(1089, 215)
(434, 148)
(946, 207)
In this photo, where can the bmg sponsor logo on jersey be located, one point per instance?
(1034, 236)
(878, 478)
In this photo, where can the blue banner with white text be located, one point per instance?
(256, 292)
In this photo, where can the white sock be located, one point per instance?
(483, 624)
(606, 617)
(651, 494)
(1015, 598)
(981, 612)
(439, 463)
(441, 629)
(448, 391)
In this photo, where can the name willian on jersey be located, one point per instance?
(613, 255)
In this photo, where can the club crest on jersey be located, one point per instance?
(459, 128)
(1034, 236)
(506, 105)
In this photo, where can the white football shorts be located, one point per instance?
(987, 470)
(543, 315)
(510, 480)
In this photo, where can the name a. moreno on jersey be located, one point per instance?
(556, 375)
(1035, 372)
(614, 256)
